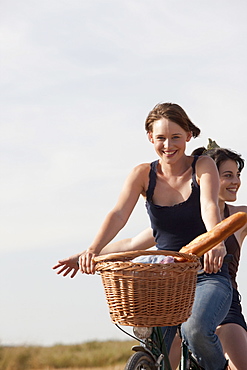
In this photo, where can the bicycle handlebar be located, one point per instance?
(124, 256)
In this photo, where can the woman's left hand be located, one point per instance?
(68, 265)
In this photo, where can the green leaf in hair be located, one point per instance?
(212, 144)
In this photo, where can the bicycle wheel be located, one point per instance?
(140, 361)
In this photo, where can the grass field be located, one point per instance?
(116, 367)
(108, 355)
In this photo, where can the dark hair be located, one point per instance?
(174, 113)
(199, 151)
(220, 155)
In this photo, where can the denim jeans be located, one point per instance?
(212, 302)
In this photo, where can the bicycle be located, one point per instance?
(152, 354)
(132, 289)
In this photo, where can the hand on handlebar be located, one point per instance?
(86, 263)
(213, 259)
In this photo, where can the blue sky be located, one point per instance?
(77, 81)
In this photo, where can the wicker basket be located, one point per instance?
(141, 294)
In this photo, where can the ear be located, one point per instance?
(189, 136)
(150, 137)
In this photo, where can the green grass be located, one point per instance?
(90, 354)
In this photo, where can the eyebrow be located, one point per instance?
(178, 133)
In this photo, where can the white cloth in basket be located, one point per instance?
(153, 259)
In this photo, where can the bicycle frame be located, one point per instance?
(154, 346)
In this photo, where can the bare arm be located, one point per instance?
(240, 234)
(243, 232)
(208, 178)
(142, 241)
(134, 185)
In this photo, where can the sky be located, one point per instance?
(78, 79)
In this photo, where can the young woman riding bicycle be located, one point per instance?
(181, 196)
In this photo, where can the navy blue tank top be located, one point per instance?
(175, 226)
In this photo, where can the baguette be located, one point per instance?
(203, 243)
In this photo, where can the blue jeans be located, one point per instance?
(212, 302)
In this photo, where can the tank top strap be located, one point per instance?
(226, 211)
(193, 165)
(152, 180)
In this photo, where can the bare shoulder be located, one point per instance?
(141, 169)
(240, 234)
(139, 177)
(234, 209)
(205, 161)
(206, 165)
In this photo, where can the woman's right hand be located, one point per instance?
(214, 258)
(86, 263)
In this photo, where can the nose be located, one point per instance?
(167, 143)
(236, 180)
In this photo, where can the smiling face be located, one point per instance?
(169, 139)
(229, 180)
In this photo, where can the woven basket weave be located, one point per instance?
(143, 294)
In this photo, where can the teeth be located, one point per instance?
(233, 190)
